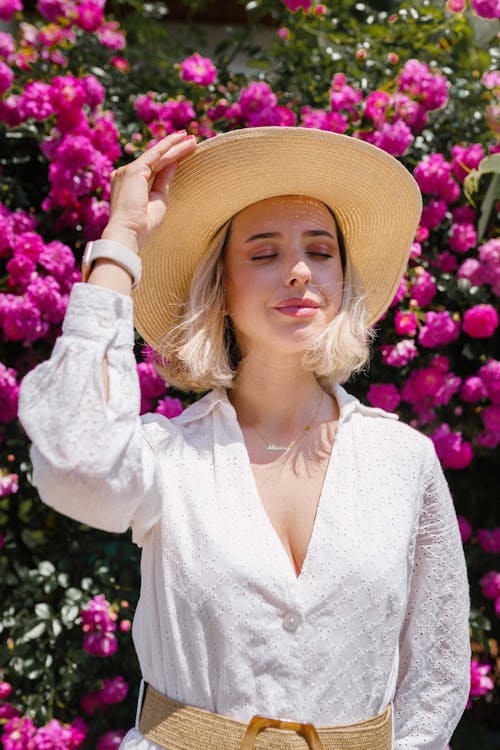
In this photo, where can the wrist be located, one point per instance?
(123, 236)
(115, 252)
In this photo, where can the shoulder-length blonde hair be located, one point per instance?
(202, 351)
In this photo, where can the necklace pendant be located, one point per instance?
(274, 447)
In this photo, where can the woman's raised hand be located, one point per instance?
(139, 191)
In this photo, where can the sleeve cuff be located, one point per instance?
(101, 314)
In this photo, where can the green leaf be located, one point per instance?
(43, 611)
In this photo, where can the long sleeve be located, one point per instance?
(91, 458)
(434, 667)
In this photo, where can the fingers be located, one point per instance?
(167, 151)
(163, 180)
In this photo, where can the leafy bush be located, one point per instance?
(417, 80)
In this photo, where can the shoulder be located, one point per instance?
(382, 430)
(195, 418)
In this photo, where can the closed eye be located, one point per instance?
(265, 257)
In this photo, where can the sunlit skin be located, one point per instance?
(279, 250)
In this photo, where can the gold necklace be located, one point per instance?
(285, 448)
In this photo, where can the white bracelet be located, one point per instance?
(114, 251)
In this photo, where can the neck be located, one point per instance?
(278, 399)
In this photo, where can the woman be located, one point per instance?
(300, 551)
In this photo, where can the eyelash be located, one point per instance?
(266, 257)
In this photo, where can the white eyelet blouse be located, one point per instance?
(379, 612)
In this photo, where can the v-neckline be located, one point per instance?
(260, 508)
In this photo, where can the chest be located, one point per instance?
(289, 491)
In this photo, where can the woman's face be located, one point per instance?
(283, 273)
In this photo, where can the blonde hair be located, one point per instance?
(201, 352)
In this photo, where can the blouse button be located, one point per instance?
(291, 621)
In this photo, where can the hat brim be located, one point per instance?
(375, 199)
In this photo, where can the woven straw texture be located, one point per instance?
(376, 200)
(176, 726)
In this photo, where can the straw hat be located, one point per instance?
(375, 199)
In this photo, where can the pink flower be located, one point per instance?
(198, 69)
(146, 108)
(294, 5)
(455, 6)
(400, 292)
(452, 450)
(490, 584)
(323, 120)
(432, 174)
(433, 213)
(489, 540)
(100, 644)
(486, 8)
(6, 77)
(384, 395)
(480, 682)
(490, 375)
(375, 106)
(417, 80)
(55, 9)
(465, 159)
(12, 110)
(9, 485)
(89, 16)
(111, 740)
(169, 407)
(465, 528)
(405, 323)
(114, 690)
(110, 35)
(473, 390)
(256, 97)
(18, 734)
(96, 615)
(446, 262)
(8, 8)
(400, 354)
(395, 138)
(9, 393)
(7, 45)
(423, 288)
(463, 237)
(5, 690)
(491, 419)
(429, 387)
(439, 330)
(20, 319)
(472, 270)
(343, 96)
(489, 256)
(7, 711)
(151, 384)
(480, 321)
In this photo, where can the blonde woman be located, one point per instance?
(303, 580)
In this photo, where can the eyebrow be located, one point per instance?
(309, 233)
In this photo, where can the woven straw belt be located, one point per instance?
(175, 726)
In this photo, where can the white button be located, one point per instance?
(291, 621)
(107, 320)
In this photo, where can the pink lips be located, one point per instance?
(297, 308)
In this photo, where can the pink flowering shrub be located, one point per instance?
(75, 102)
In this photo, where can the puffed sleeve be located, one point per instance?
(434, 668)
(91, 458)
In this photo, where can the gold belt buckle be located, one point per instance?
(258, 723)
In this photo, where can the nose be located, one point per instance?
(299, 274)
